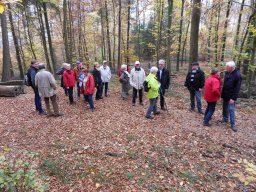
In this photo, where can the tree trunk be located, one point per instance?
(119, 33)
(184, 45)
(194, 33)
(103, 35)
(65, 31)
(180, 35)
(209, 39)
(128, 32)
(16, 43)
(159, 32)
(42, 33)
(170, 8)
(52, 52)
(224, 37)
(6, 73)
(217, 35)
(108, 36)
(114, 34)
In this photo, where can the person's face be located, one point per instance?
(105, 64)
(137, 65)
(194, 66)
(161, 66)
(229, 69)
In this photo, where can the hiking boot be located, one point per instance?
(223, 121)
(207, 124)
(191, 110)
(234, 128)
(133, 104)
(100, 97)
(201, 112)
(42, 113)
(106, 95)
(163, 109)
(50, 115)
(149, 117)
(93, 110)
(141, 104)
(58, 115)
(157, 113)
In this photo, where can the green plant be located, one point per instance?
(19, 173)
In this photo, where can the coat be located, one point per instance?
(153, 86)
(105, 74)
(69, 78)
(46, 83)
(195, 80)
(77, 71)
(125, 80)
(89, 87)
(165, 78)
(31, 73)
(212, 88)
(137, 78)
(97, 77)
(231, 86)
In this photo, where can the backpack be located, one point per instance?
(27, 79)
(145, 85)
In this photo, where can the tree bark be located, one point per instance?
(128, 33)
(6, 72)
(194, 33)
(170, 9)
(119, 33)
(180, 35)
(108, 36)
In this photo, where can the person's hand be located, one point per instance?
(231, 101)
(200, 89)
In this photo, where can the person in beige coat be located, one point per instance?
(46, 84)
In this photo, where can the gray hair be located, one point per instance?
(161, 61)
(214, 71)
(154, 70)
(231, 64)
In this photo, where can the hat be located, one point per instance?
(194, 63)
(154, 70)
(104, 61)
(68, 66)
(137, 63)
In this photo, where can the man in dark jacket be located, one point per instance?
(230, 91)
(163, 78)
(98, 81)
(31, 73)
(195, 83)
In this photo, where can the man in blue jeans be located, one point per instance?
(31, 79)
(195, 83)
(230, 91)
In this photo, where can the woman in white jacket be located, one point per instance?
(105, 76)
(136, 80)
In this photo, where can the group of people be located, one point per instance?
(84, 82)
(195, 82)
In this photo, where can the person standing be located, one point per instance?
(163, 76)
(77, 71)
(125, 81)
(98, 81)
(31, 74)
(136, 80)
(153, 92)
(69, 82)
(230, 91)
(88, 88)
(211, 95)
(195, 83)
(105, 77)
(60, 72)
(46, 84)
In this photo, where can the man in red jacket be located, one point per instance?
(69, 82)
(211, 95)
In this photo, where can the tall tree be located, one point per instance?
(170, 8)
(180, 35)
(108, 35)
(16, 43)
(128, 32)
(66, 32)
(224, 37)
(6, 72)
(194, 32)
(119, 33)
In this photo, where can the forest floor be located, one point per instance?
(117, 149)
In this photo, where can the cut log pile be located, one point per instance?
(12, 88)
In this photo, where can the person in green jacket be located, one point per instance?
(153, 92)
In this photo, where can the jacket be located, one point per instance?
(77, 71)
(165, 78)
(31, 73)
(137, 78)
(212, 88)
(153, 85)
(46, 83)
(195, 80)
(105, 74)
(89, 87)
(231, 86)
(97, 77)
(69, 78)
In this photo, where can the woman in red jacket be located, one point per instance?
(69, 82)
(88, 87)
(211, 95)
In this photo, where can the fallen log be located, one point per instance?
(9, 91)
(18, 83)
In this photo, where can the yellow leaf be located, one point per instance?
(2, 7)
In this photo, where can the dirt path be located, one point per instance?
(117, 149)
